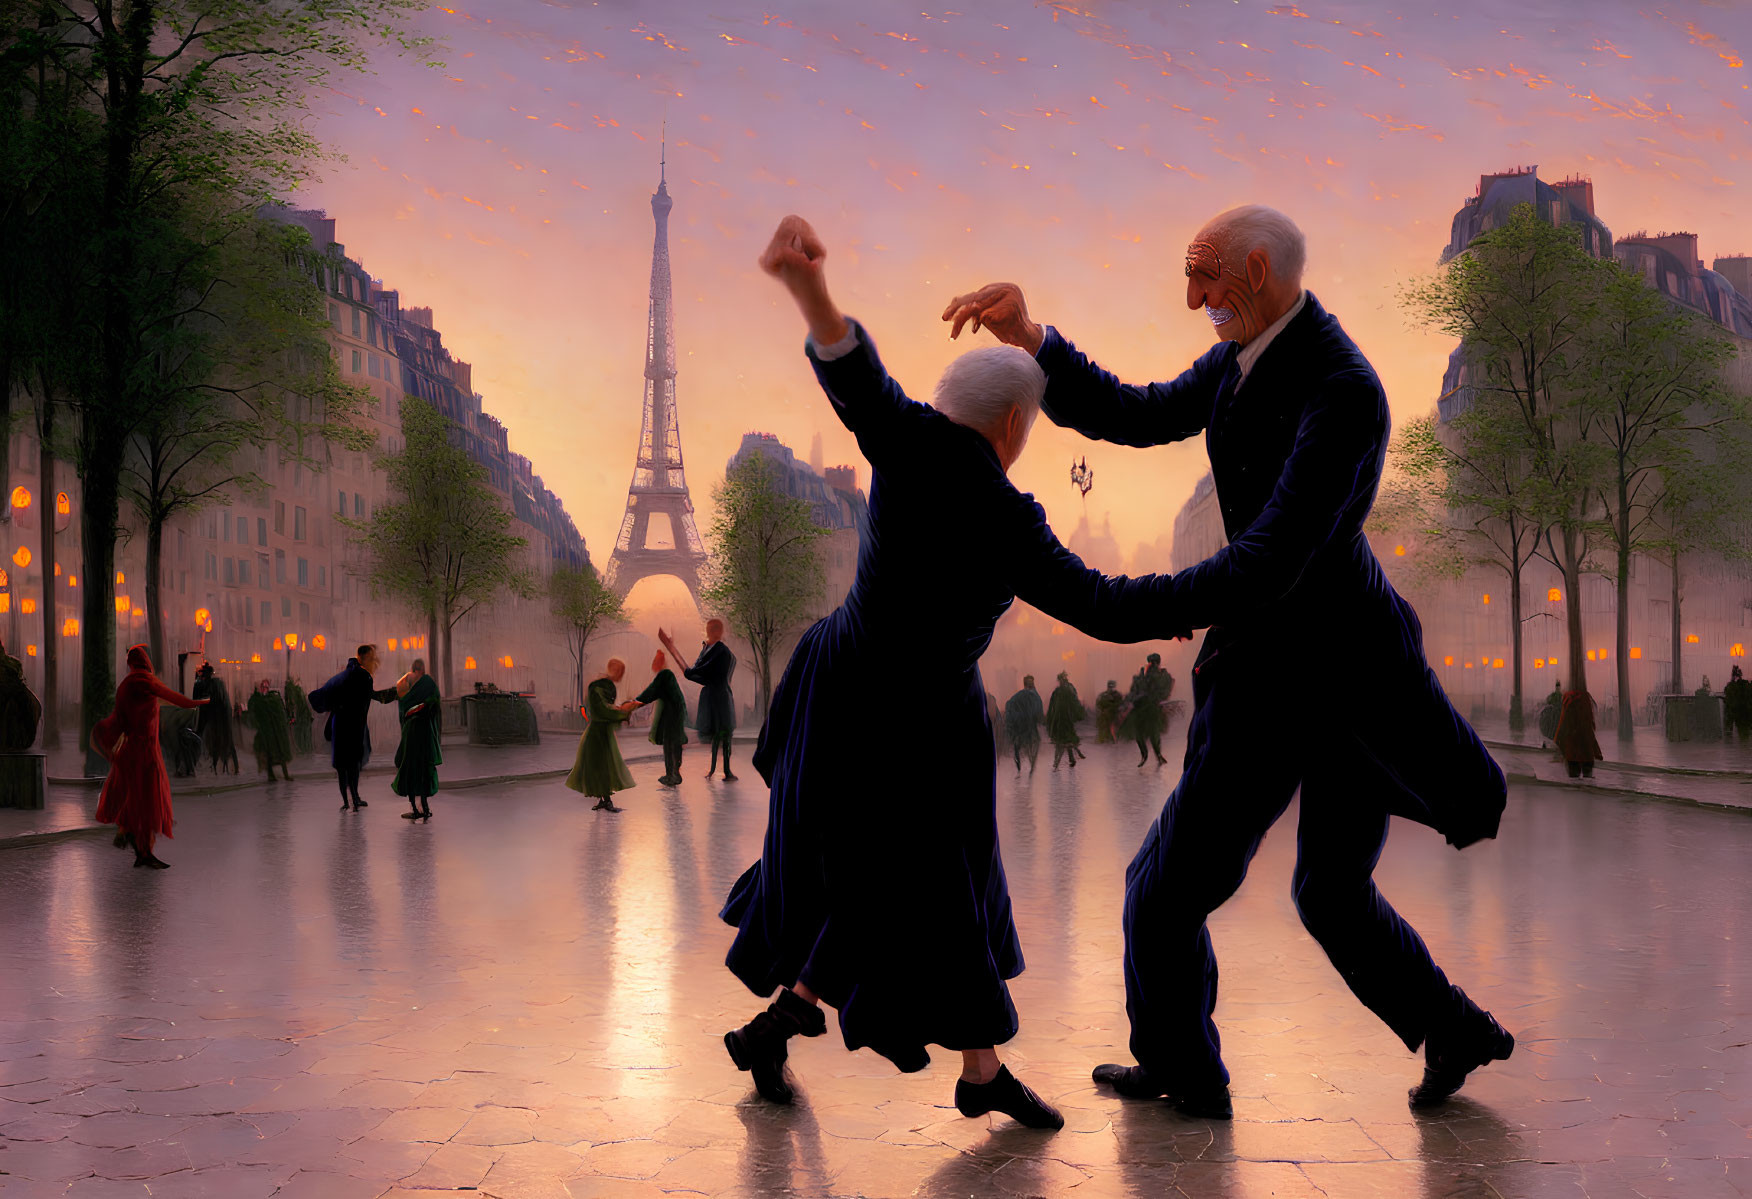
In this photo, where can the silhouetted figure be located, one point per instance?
(213, 723)
(1063, 712)
(1550, 714)
(1297, 427)
(1023, 716)
(880, 889)
(1575, 737)
(136, 792)
(420, 753)
(298, 708)
(1148, 719)
(347, 698)
(669, 725)
(599, 770)
(716, 719)
(1737, 704)
(1107, 706)
(21, 712)
(273, 730)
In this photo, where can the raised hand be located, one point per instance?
(796, 258)
(1000, 309)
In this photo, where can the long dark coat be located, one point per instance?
(347, 699)
(213, 721)
(1063, 711)
(1150, 689)
(273, 730)
(1297, 454)
(717, 711)
(880, 886)
(419, 755)
(669, 725)
(598, 770)
(1575, 737)
(298, 709)
(1023, 714)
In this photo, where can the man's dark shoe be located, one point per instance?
(759, 1046)
(359, 803)
(1135, 1082)
(728, 777)
(1448, 1060)
(1008, 1094)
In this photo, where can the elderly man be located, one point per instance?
(880, 889)
(715, 719)
(347, 698)
(1296, 425)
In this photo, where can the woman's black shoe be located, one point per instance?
(359, 803)
(1008, 1094)
(414, 815)
(759, 1046)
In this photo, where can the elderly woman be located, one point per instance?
(880, 889)
(599, 770)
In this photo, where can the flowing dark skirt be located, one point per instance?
(880, 884)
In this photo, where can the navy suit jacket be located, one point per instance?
(1296, 455)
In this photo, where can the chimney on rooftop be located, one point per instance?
(1737, 269)
(1579, 191)
(843, 478)
(1682, 246)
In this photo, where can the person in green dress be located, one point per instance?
(599, 769)
(419, 755)
(1063, 711)
(298, 708)
(669, 727)
(273, 730)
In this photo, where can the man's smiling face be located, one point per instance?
(1216, 280)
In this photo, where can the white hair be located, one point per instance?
(1256, 227)
(979, 388)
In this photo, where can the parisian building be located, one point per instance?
(273, 583)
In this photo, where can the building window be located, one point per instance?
(371, 365)
(335, 314)
(267, 613)
(321, 576)
(280, 517)
(212, 566)
(298, 524)
(341, 505)
(262, 568)
(304, 572)
(243, 572)
(355, 359)
(356, 332)
(279, 566)
(261, 530)
(285, 605)
(243, 530)
(358, 504)
(230, 573)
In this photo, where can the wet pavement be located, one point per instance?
(524, 998)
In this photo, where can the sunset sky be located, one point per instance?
(1073, 150)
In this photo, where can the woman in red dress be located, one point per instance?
(136, 795)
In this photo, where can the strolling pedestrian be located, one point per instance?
(1549, 715)
(669, 725)
(347, 698)
(1107, 706)
(273, 730)
(716, 719)
(1146, 720)
(136, 792)
(1575, 736)
(213, 722)
(420, 754)
(1063, 712)
(599, 770)
(1737, 704)
(298, 709)
(1024, 713)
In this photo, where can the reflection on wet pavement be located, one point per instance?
(525, 997)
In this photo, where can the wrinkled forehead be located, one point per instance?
(1204, 254)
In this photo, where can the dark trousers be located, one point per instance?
(1155, 744)
(672, 760)
(1197, 852)
(1580, 770)
(720, 741)
(349, 778)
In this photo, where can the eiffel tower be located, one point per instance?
(659, 486)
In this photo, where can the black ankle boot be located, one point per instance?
(759, 1046)
(1008, 1094)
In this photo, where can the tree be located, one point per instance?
(187, 96)
(1652, 373)
(243, 371)
(1701, 506)
(444, 545)
(1461, 491)
(584, 604)
(1521, 298)
(765, 572)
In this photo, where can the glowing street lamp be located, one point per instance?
(21, 498)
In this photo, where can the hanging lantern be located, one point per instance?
(468, 663)
(392, 644)
(278, 644)
(27, 606)
(122, 605)
(1554, 595)
(319, 641)
(120, 578)
(70, 627)
(21, 555)
(63, 506)
(202, 616)
(21, 497)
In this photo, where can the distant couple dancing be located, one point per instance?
(880, 890)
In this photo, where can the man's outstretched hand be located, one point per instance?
(1000, 309)
(796, 258)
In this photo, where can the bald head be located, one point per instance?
(1245, 269)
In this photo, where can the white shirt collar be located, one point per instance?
(1252, 350)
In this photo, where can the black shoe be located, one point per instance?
(1448, 1060)
(759, 1046)
(425, 811)
(359, 803)
(414, 815)
(728, 777)
(346, 805)
(1135, 1082)
(1008, 1094)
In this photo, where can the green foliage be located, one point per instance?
(583, 603)
(765, 572)
(443, 545)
